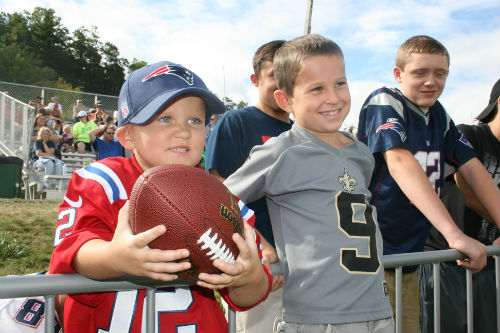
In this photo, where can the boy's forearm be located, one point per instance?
(471, 200)
(251, 293)
(483, 187)
(414, 183)
(268, 251)
(93, 260)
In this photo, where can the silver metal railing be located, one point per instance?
(435, 257)
(49, 286)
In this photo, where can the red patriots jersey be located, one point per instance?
(89, 211)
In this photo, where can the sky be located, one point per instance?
(217, 38)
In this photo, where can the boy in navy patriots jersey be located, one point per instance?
(411, 137)
(163, 111)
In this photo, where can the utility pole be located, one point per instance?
(307, 26)
(224, 77)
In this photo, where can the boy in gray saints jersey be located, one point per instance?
(316, 179)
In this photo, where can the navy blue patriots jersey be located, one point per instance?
(388, 120)
(230, 143)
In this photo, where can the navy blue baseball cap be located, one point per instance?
(489, 112)
(150, 89)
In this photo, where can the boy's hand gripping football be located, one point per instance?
(245, 276)
(132, 255)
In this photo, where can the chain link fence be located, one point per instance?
(67, 98)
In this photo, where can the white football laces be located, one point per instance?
(217, 249)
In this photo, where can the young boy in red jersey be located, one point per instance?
(163, 109)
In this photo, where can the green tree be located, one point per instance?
(136, 64)
(49, 40)
(19, 66)
(99, 66)
(37, 47)
(113, 68)
(84, 48)
(241, 105)
(229, 104)
(14, 30)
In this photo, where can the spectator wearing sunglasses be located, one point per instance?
(106, 145)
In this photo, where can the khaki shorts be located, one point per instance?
(261, 318)
(411, 299)
(374, 326)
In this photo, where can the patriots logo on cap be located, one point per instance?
(174, 70)
(124, 109)
(395, 126)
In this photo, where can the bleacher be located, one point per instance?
(72, 162)
(15, 133)
(15, 140)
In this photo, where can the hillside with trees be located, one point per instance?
(36, 49)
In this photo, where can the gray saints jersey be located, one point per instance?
(326, 234)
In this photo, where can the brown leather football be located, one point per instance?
(199, 212)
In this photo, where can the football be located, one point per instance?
(199, 212)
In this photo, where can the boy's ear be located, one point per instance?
(283, 100)
(254, 79)
(397, 74)
(124, 136)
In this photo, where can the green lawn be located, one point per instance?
(26, 235)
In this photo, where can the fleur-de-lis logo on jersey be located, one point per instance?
(348, 182)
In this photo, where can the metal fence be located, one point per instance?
(67, 98)
(16, 116)
(15, 127)
(51, 285)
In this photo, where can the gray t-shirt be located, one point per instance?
(326, 234)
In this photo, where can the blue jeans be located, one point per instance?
(52, 166)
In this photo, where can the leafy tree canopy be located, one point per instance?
(36, 49)
(231, 105)
(136, 64)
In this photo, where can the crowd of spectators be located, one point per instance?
(90, 131)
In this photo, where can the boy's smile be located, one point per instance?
(175, 136)
(423, 78)
(321, 98)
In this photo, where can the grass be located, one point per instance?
(26, 235)
(10, 248)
